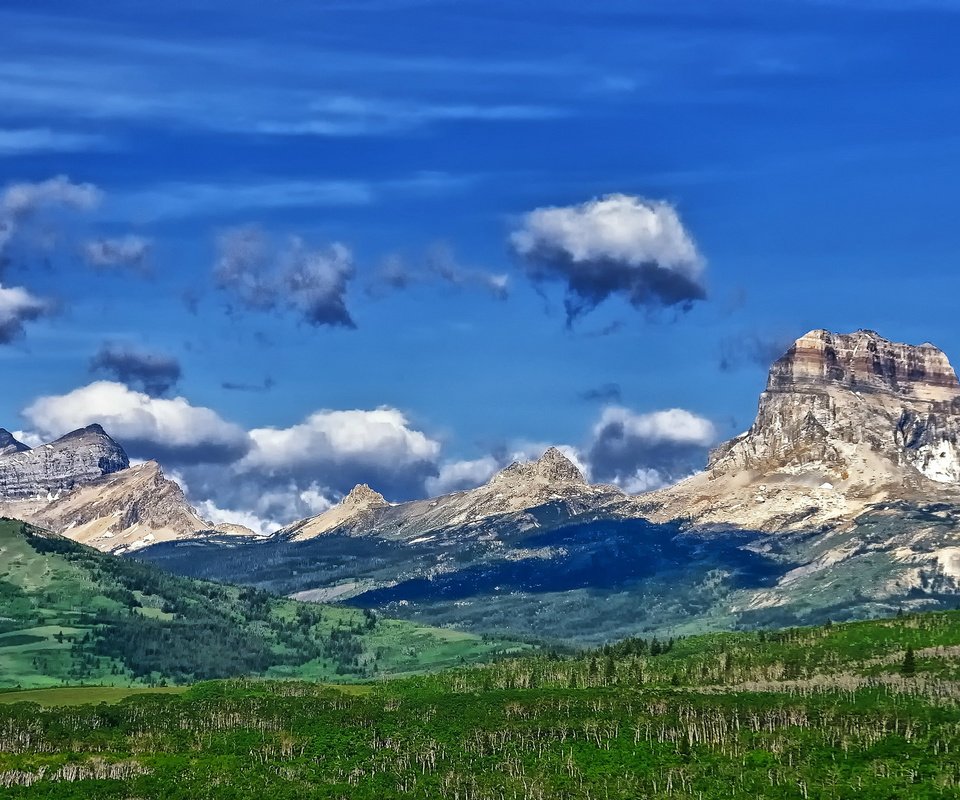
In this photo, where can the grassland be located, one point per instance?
(868, 710)
(70, 615)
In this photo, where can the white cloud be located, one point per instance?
(18, 306)
(455, 476)
(618, 244)
(676, 426)
(150, 427)
(380, 438)
(19, 199)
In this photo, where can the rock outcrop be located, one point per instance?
(10, 445)
(82, 486)
(52, 469)
(845, 421)
(509, 498)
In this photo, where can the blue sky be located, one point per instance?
(809, 150)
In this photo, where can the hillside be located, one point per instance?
(70, 614)
(860, 710)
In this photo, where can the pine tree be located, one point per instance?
(909, 666)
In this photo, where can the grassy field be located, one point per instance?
(868, 710)
(71, 615)
(82, 695)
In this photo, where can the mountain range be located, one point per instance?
(841, 501)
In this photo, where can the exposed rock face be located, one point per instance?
(845, 420)
(10, 445)
(72, 461)
(82, 486)
(508, 498)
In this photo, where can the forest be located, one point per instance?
(866, 709)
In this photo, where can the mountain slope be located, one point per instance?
(69, 613)
(82, 486)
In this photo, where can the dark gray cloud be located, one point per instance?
(645, 451)
(152, 373)
(752, 350)
(265, 386)
(607, 393)
(616, 245)
(17, 307)
(261, 276)
(438, 265)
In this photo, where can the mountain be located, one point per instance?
(69, 613)
(82, 485)
(506, 501)
(10, 445)
(840, 502)
(846, 422)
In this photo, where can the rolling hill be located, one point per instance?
(71, 614)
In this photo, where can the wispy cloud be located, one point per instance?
(21, 141)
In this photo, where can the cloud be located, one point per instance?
(617, 245)
(153, 373)
(607, 393)
(264, 386)
(170, 430)
(456, 476)
(440, 265)
(752, 349)
(643, 451)
(290, 473)
(20, 141)
(127, 251)
(18, 306)
(349, 115)
(21, 199)
(264, 277)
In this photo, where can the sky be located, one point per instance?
(284, 249)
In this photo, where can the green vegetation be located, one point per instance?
(72, 615)
(812, 713)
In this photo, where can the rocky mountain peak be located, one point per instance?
(553, 468)
(865, 362)
(10, 445)
(74, 460)
(854, 408)
(362, 496)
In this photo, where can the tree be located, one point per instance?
(909, 665)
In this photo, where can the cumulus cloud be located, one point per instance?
(170, 430)
(752, 350)
(294, 472)
(18, 306)
(153, 373)
(130, 252)
(643, 451)
(264, 277)
(617, 245)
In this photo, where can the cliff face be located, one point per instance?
(10, 445)
(856, 408)
(846, 420)
(71, 461)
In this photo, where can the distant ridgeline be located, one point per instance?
(840, 502)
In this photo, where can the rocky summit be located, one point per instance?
(82, 486)
(52, 469)
(506, 500)
(845, 421)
